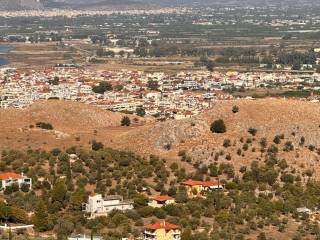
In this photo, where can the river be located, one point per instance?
(4, 49)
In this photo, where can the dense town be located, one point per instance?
(158, 94)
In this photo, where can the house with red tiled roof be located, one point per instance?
(160, 201)
(9, 178)
(162, 231)
(200, 188)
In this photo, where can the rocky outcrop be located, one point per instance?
(175, 132)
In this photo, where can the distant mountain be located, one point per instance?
(12, 5)
(7, 5)
(103, 4)
(20, 4)
(174, 3)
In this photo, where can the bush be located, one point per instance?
(227, 143)
(311, 147)
(125, 121)
(55, 152)
(235, 109)
(44, 125)
(218, 126)
(277, 139)
(96, 145)
(288, 146)
(252, 131)
(102, 88)
(25, 187)
(182, 153)
(140, 112)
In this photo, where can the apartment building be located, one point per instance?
(99, 206)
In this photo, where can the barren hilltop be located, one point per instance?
(73, 124)
(295, 123)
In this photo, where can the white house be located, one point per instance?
(160, 201)
(84, 237)
(9, 178)
(97, 206)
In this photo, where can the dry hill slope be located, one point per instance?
(77, 124)
(293, 119)
(74, 124)
(268, 116)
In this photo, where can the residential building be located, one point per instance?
(9, 178)
(162, 231)
(99, 206)
(160, 201)
(84, 237)
(200, 188)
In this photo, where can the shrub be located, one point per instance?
(287, 178)
(235, 109)
(44, 125)
(25, 188)
(239, 152)
(277, 139)
(252, 131)
(140, 112)
(311, 147)
(273, 149)
(218, 126)
(263, 142)
(96, 145)
(55, 152)
(227, 143)
(125, 121)
(182, 153)
(174, 166)
(262, 236)
(102, 87)
(288, 146)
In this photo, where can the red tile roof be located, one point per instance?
(162, 225)
(163, 198)
(10, 175)
(210, 183)
(201, 183)
(192, 183)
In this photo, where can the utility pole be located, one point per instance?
(10, 235)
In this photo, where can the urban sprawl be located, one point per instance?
(178, 96)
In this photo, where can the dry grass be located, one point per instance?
(74, 121)
(71, 121)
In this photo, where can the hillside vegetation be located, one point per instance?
(293, 120)
(266, 152)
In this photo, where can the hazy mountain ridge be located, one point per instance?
(10, 5)
(20, 4)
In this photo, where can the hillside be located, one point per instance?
(73, 123)
(259, 198)
(77, 124)
(293, 119)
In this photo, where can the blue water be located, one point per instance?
(3, 50)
